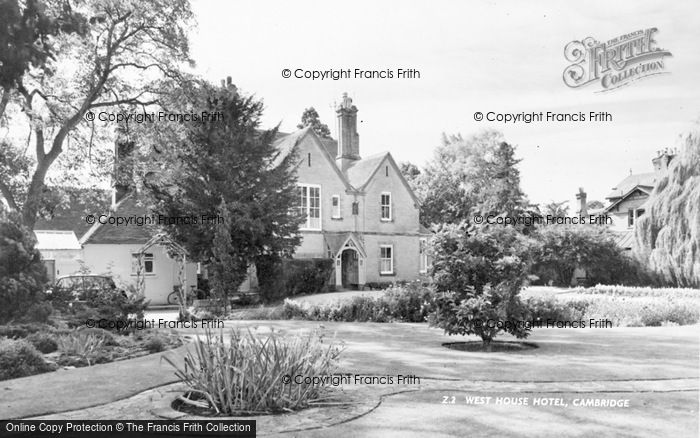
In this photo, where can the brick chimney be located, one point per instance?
(348, 138)
(662, 160)
(581, 198)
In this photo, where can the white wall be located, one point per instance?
(115, 260)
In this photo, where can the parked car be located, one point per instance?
(84, 286)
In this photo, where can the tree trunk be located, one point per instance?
(486, 343)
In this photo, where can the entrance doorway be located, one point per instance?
(349, 269)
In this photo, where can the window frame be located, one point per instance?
(388, 207)
(147, 257)
(307, 224)
(423, 255)
(336, 209)
(390, 259)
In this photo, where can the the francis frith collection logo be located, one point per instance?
(616, 62)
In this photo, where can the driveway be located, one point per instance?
(579, 382)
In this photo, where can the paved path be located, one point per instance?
(656, 369)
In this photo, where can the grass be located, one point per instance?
(247, 375)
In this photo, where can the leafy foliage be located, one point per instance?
(70, 58)
(478, 274)
(311, 118)
(22, 273)
(468, 176)
(246, 374)
(19, 358)
(230, 164)
(289, 277)
(410, 303)
(668, 235)
(560, 249)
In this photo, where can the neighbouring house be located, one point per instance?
(360, 212)
(130, 254)
(627, 200)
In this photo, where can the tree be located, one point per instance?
(470, 176)
(595, 205)
(228, 170)
(117, 60)
(26, 41)
(410, 172)
(561, 249)
(668, 235)
(22, 273)
(311, 118)
(478, 274)
(556, 209)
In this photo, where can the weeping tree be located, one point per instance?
(668, 235)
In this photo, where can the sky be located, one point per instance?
(486, 56)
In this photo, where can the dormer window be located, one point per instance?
(386, 206)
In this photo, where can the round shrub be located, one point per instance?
(19, 358)
(44, 342)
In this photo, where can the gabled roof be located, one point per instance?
(287, 144)
(129, 206)
(360, 172)
(71, 216)
(643, 180)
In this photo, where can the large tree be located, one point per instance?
(668, 235)
(113, 60)
(311, 118)
(468, 176)
(228, 169)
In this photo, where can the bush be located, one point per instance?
(478, 274)
(154, 344)
(289, 277)
(22, 273)
(623, 311)
(246, 375)
(44, 342)
(19, 358)
(17, 331)
(562, 249)
(108, 305)
(411, 303)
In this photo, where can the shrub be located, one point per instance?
(38, 312)
(289, 277)
(84, 344)
(17, 331)
(410, 303)
(562, 249)
(154, 344)
(44, 342)
(246, 375)
(19, 358)
(478, 274)
(22, 273)
(108, 305)
(623, 311)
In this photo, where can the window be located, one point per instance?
(147, 266)
(423, 252)
(311, 206)
(630, 217)
(309, 158)
(386, 170)
(386, 259)
(386, 206)
(335, 202)
(355, 208)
